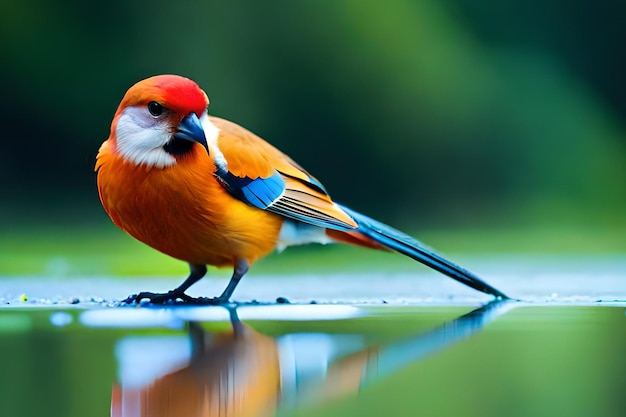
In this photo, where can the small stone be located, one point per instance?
(74, 300)
(282, 300)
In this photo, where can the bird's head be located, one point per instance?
(161, 120)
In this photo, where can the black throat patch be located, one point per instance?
(178, 147)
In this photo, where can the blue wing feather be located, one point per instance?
(269, 194)
(258, 192)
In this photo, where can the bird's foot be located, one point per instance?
(171, 297)
(159, 298)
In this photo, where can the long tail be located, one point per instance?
(388, 237)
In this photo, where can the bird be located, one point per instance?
(207, 191)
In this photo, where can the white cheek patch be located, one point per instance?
(294, 233)
(140, 139)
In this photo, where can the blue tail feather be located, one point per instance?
(407, 245)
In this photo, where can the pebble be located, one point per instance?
(282, 300)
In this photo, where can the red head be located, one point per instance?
(160, 119)
(179, 94)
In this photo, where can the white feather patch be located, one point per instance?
(211, 133)
(294, 233)
(140, 139)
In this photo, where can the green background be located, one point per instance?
(470, 117)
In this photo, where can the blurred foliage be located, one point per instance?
(424, 114)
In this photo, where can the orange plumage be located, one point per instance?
(209, 192)
(184, 212)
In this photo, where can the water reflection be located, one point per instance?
(241, 372)
(231, 373)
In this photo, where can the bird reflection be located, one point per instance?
(230, 373)
(241, 372)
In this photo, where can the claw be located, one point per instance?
(158, 298)
(171, 297)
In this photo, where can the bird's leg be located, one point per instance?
(238, 327)
(197, 271)
(241, 267)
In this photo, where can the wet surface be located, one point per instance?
(369, 345)
(502, 358)
(530, 278)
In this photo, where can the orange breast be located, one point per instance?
(182, 210)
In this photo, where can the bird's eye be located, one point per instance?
(155, 109)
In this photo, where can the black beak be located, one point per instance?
(191, 129)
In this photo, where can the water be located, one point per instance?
(508, 358)
(375, 344)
